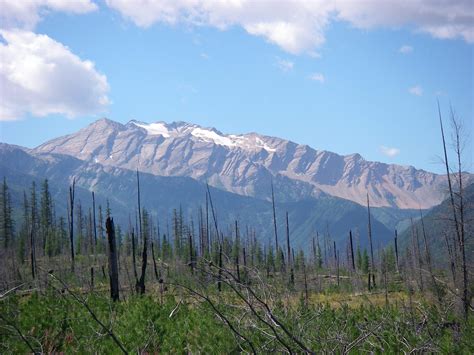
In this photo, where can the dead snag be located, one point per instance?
(113, 265)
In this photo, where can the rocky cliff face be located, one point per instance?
(246, 164)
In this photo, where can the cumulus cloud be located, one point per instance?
(389, 152)
(405, 49)
(284, 65)
(416, 90)
(41, 76)
(317, 77)
(298, 26)
(26, 14)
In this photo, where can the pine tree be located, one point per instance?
(6, 216)
(365, 262)
(46, 218)
(271, 260)
(319, 262)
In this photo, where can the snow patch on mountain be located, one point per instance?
(250, 142)
(211, 136)
(156, 129)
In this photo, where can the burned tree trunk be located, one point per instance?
(113, 265)
(191, 256)
(352, 251)
(372, 264)
(396, 250)
(288, 249)
(71, 221)
(237, 250)
(155, 269)
(33, 253)
(274, 221)
(140, 286)
(134, 261)
(95, 225)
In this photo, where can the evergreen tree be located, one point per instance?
(299, 262)
(319, 256)
(271, 260)
(365, 262)
(6, 216)
(46, 218)
(177, 232)
(63, 241)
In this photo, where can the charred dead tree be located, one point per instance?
(220, 238)
(274, 220)
(352, 250)
(155, 269)
(71, 220)
(113, 264)
(305, 279)
(288, 249)
(396, 251)
(191, 254)
(140, 285)
(371, 276)
(457, 210)
(94, 221)
(237, 250)
(33, 253)
(134, 251)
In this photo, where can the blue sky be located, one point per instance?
(345, 85)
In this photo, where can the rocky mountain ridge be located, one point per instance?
(246, 164)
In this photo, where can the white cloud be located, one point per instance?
(440, 18)
(27, 13)
(40, 76)
(284, 65)
(317, 77)
(405, 49)
(389, 152)
(299, 26)
(416, 90)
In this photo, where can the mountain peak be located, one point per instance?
(104, 121)
(246, 163)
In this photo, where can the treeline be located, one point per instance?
(38, 232)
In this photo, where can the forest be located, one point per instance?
(78, 282)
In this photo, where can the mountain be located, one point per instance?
(438, 223)
(160, 195)
(246, 164)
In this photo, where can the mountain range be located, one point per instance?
(322, 191)
(246, 164)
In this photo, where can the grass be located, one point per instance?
(54, 322)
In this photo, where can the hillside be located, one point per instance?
(438, 223)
